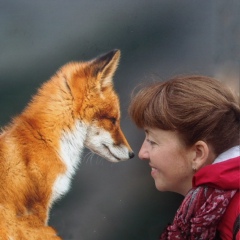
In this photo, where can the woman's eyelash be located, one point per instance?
(150, 142)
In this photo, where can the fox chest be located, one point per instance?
(71, 148)
(61, 186)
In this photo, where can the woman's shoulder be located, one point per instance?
(229, 224)
(223, 175)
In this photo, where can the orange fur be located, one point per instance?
(40, 149)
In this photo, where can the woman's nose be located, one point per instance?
(143, 153)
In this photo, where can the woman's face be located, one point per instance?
(169, 159)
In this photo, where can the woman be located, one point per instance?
(192, 144)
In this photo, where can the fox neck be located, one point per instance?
(68, 144)
(51, 119)
(72, 145)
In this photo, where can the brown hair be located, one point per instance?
(198, 107)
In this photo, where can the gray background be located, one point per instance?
(158, 39)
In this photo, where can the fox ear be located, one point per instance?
(106, 66)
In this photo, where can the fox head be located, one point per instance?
(94, 105)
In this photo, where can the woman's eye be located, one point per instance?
(151, 142)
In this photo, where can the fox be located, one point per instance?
(41, 148)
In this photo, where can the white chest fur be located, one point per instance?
(71, 148)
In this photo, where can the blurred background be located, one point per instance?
(158, 39)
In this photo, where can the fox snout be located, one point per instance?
(103, 143)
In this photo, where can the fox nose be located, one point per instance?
(131, 154)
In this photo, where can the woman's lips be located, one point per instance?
(153, 171)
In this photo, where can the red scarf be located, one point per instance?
(199, 214)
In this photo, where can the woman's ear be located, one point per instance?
(202, 155)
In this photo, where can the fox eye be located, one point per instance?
(113, 120)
